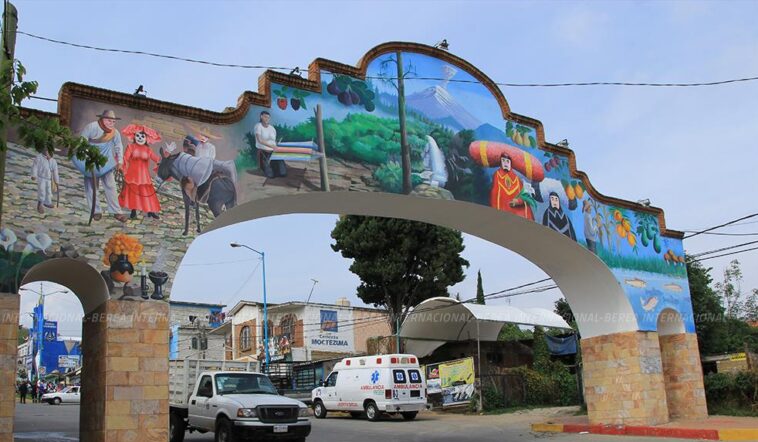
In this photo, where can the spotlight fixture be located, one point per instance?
(140, 92)
(442, 45)
(295, 71)
(645, 202)
(563, 143)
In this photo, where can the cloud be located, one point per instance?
(581, 27)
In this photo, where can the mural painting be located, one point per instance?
(411, 123)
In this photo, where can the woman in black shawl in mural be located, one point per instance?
(556, 218)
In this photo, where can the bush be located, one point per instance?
(554, 386)
(732, 391)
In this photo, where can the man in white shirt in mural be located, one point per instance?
(265, 142)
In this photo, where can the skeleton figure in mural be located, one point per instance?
(506, 190)
(555, 218)
(103, 134)
(45, 173)
(265, 142)
(203, 181)
(203, 147)
(138, 192)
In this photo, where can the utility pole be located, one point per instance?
(10, 23)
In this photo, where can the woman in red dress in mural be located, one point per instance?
(138, 192)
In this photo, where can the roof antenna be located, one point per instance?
(312, 287)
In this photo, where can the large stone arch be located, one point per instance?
(598, 300)
(617, 283)
(78, 276)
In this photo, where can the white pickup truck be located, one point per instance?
(232, 400)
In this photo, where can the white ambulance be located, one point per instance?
(373, 385)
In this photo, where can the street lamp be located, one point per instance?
(265, 304)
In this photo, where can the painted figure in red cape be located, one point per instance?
(138, 192)
(506, 190)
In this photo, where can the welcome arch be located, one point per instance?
(472, 164)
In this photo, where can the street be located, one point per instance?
(48, 423)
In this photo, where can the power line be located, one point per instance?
(720, 226)
(724, 234)
(697, 255)
(245, 66)
(727, 254)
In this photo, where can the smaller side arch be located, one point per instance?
(670, 323)
(78, 276)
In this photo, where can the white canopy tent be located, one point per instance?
(439, 320)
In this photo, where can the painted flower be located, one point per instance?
(38, 241)
(7, 239)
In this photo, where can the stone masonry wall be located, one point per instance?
(9, 305)
(623, 379)
(125, 374)
(683, 376)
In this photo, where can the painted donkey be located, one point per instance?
(203, 181)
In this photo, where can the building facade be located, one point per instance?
(191, 325)
(300, 331)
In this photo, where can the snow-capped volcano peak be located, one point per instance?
(436, 103)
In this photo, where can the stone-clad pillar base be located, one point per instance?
(623, 379)
(9, 305)
(683, 376)
(125, 372)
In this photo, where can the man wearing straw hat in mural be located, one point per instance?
(204, 148)
(102, 133)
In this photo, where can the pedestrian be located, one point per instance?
(40, 391)
(23, 389)
(34, 392)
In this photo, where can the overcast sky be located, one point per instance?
(691, 151)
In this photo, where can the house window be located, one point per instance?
(245, 339)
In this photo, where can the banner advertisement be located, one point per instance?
(334, 332)
(457, 381)
(68, 361)
(50, 331)
(433, 384)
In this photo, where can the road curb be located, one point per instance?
(624, 430)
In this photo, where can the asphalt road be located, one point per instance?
(50, 423)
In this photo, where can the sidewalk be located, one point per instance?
(712, 428)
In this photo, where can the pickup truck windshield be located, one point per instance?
(244, 383)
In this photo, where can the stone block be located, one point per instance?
(122, 364)
(145, 407)
(154, 364)
(121, 422)
(141, 378)
(154, 336)
(118, 407)
(126, 336)
(156, 392)
(127, 393)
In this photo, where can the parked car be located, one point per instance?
(374, 385)
(69, 395)
(235, 405)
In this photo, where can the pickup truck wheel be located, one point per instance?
(57, 401)
(319, 410)
(410, 415)
(176, 428)
(372, 411)
(224, 431)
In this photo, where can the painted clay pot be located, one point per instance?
(121, 269)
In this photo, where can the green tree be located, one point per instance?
(23, 334)
(479, 288)
(400, 262)
(512, 332)
(716, 331)
(541, 351)
(563, 309)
